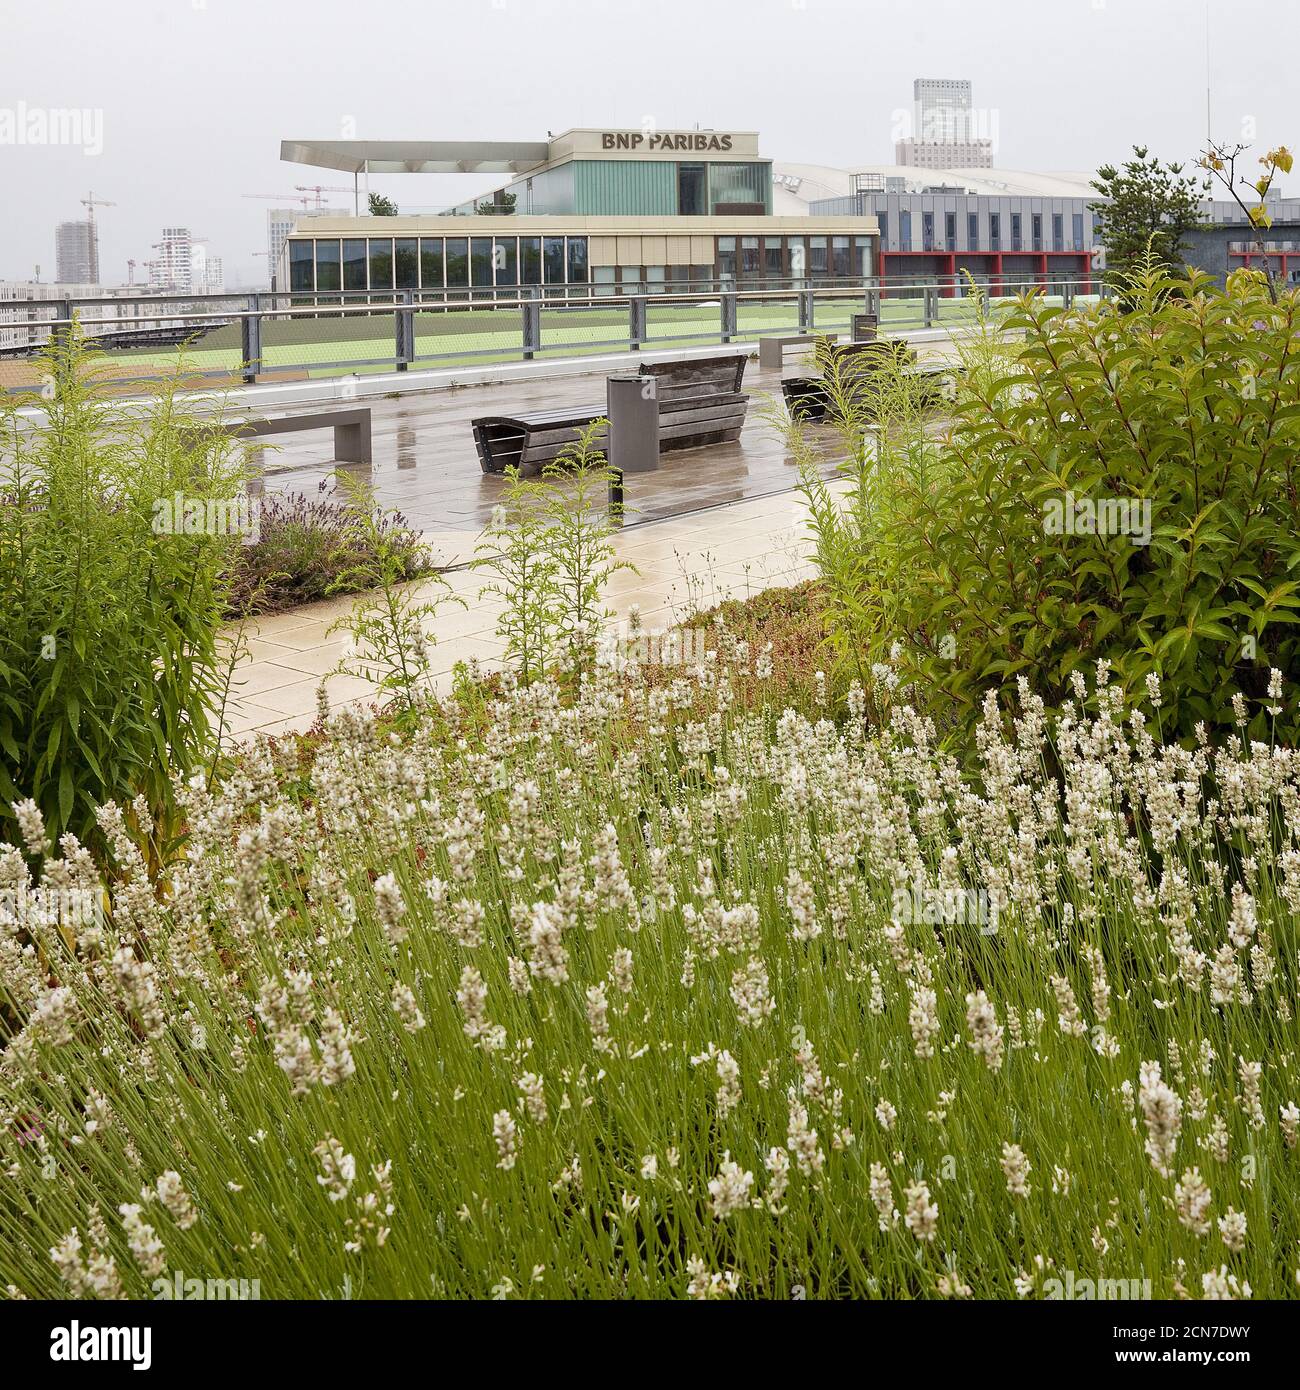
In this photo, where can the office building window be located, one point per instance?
(692, 195)
(406, 262)
(727, 257)
(578, 260)
(749, 261)
(1015, 232)
(431, 262)
(995, 231)
(300, 266)
(818, 263)
(530, 260)
(480, 261)
(841, 258)
(553, 259)
(381, 263)
(950, 231)
(354, 265)
(457, 262)
(904, 231)
(862, 255)
(773, 264)
(972, 231)
(1058, 232)
(654, 279)
(1078, 231)
(505, 260)
(739, 184)
(1037, 224)
(329, 273)
(927, 231)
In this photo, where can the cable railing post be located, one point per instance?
(636, 321)
(727, 327)
(404, 331)
(250, 338)
(532, 321)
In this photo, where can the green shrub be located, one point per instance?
(107, 649)
(1123, 488)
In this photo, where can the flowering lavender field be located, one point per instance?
(652, 990)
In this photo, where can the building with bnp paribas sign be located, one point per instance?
(626, 211)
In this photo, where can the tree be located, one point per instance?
(499, 205)
(1146, 204)
(1220, 162)
(381, 206)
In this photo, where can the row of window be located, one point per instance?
(793, 258)
(412, 263)
(1017, 242)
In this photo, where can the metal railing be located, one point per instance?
(339, 333)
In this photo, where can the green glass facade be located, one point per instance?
(639, 188)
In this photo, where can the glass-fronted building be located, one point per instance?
(622, 211)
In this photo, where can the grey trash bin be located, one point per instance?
(633, 409)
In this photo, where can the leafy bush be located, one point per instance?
(1119, 486)
(306, 547)
(549, 552)
(111, 613)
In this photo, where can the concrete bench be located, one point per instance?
(351, 430)
(771, 351)
(700, 403)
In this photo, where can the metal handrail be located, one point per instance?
(329, 309)
(915, 302)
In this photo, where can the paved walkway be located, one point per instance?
(683, 565)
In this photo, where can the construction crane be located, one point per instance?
(90, 204)
(319, 188)
(281, 198)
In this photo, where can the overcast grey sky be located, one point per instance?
(196, 95)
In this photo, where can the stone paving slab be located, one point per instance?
(683, 565)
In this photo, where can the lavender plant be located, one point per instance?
(626, 992)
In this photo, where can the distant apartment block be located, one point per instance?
(206, 276)
(76, 253)
(947, 132)
(173, 267)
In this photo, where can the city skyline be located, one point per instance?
(186, 145)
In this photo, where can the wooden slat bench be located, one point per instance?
(700, 403)
(351, 430)
(858, 365)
